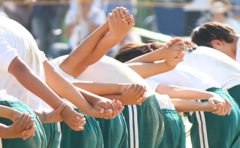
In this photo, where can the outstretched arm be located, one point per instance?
(161, 53)
(102, 88)
(182, 105)
(128, 94)
(98, 43)
(158, 61)
(146, 70)
(22, 127)
(66, 90)
(195, 94)
(30, 81)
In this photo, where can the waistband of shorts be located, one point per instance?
(10, 102)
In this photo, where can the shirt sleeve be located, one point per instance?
(42, 56)
(7, 54)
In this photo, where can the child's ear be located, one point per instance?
(216, 43)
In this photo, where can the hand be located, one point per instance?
(134, 94)
(107, 108)
(174, 61)
(223, 105)
(55, 115)
(126, 16)
(73, 119)
(171, 42)
(23, 127)
(116, 22)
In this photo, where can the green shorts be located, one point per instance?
(174, 130)
(213, 131)
(38, 141)
(90, 137)
(114, 131)
(145, 124)
(53, 134)
(235, 93)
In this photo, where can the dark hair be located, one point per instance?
(132, 50)
(209, 31)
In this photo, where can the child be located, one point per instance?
(144, 122)
(24, 68)
(90, 51)
(19, 121)
(182, 76)
(219, 36)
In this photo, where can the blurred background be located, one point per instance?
(58, 26)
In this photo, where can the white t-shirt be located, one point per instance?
(216, 64)
(5, 96)
(109, 70)
(238, 50)
(15, 41)
(183, 76)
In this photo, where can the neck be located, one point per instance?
(234, 44)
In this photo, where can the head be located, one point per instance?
(215, 35)
(219, 11)
(132, 50)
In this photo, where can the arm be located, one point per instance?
(97, 44)
(83, 50)
(52, 116)
(134, 94)
(146, 70)
(189, 105)
(149, 64)
(66, 90)
(195, 94)
(30, 81)
(22, 127)
(102, 88)
(161, 53)
(10, 113)
(183, 92)
(128, 94)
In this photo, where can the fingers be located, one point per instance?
(78, 117)
(142, 96)
(218, 109)
(110, 16)
(172, 41)
(30, 123)
(181, 55)
(73, 119)
(229, 106)
(124, 14)
(19, 119)
(122, 11)
(25, 119)
(118, 12)
(214, 106)
(130, 21)
(114, 14)
(78, 126)
(107, 113)
(178, 41)
(126, 17)
(119, 106)
(28, 133)
(114, 108)
(142, 99)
